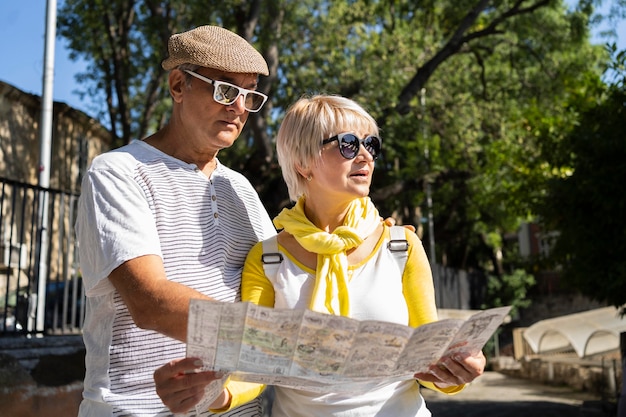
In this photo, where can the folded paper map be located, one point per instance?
(320, 352)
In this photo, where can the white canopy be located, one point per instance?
(588, 333)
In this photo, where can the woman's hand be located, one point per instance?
(181, 386)
(455, 370)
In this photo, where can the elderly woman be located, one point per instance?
(335, 259)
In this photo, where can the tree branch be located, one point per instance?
(455, 43)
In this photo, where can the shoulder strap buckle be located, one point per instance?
(397, 241)
(272, 258)
(398, 246)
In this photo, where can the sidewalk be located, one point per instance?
(494, 395)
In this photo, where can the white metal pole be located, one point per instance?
(45, 143)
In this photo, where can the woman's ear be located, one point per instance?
(302, 171)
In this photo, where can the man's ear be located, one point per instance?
(177, 83)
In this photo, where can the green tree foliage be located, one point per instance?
(509, 290)
(472, 96)
(124, 42)
(587, 204)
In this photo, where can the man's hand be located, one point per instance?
(390, 221)
(181, 386)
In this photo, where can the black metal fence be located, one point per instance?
(40, 285)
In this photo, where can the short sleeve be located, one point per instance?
(114, 224)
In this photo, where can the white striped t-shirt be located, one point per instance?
(136, 201)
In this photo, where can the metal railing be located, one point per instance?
(40, 290)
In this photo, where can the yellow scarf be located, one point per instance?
(331, 283)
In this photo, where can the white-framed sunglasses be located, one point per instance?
(227, 93)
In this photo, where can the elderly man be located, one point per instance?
(162, 221)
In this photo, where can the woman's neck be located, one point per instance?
(325, 214)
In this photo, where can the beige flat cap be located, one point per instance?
(214, 47)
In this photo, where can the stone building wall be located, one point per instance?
(76, 140)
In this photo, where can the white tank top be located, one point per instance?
(375, 290)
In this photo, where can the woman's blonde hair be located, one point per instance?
(307, 123)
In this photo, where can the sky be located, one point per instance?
(22, 42)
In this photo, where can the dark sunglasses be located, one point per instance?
(349, 144)
(227, 93)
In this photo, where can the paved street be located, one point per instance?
(497, 395)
